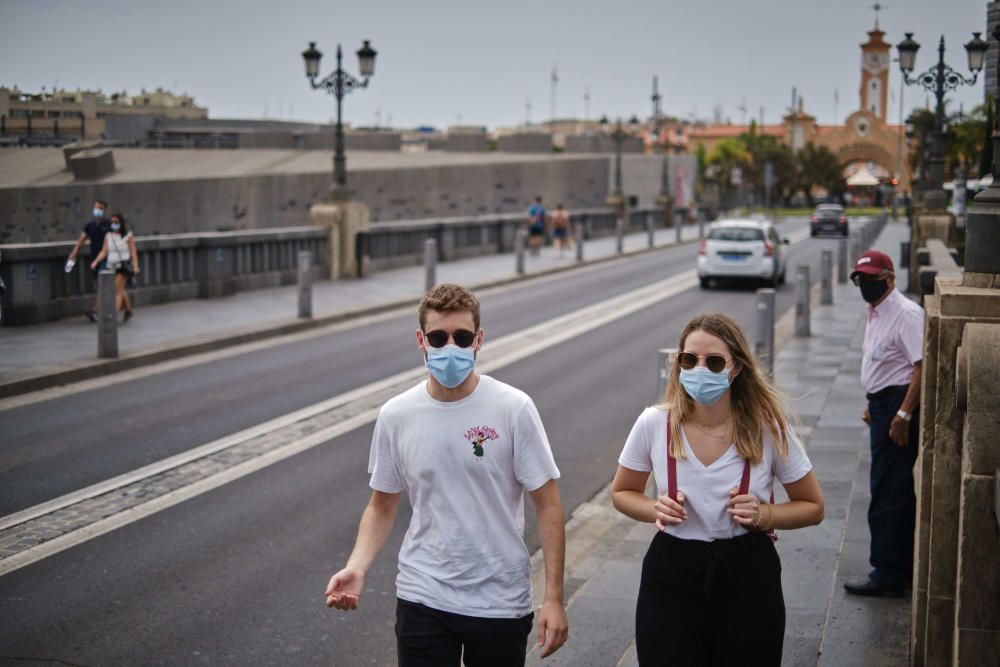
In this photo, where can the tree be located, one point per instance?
(818, 166)
(968, 132)
(727, 155)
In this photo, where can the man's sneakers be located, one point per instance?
(869, 588)
(91, 315)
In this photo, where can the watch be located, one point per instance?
(905, 416)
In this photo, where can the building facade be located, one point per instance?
(82, 113)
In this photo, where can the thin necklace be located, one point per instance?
(715, 425)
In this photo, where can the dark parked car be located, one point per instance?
(828, 218)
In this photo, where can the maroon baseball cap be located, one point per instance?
(873, 263)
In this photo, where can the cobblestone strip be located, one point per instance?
(35, 531)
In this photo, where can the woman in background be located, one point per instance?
(122, 258)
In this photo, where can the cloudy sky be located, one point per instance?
(477, 61)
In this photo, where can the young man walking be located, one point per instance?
(94, 231)
(464, 447)
(890, 373)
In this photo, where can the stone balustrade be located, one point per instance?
(216, 264)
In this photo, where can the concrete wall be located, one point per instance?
(467, 143)
(528, 142)
(56, 213)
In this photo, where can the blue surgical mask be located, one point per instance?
(451, 364)
(98, 213)
(115, 226)
(704, 386)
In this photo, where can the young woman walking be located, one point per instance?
(710, 592)
(119, 249)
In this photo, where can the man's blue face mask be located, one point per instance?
(451, 365)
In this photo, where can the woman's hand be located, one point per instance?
(135, 271)
(745, 509)
(669, 512)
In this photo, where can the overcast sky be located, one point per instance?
(480, 61)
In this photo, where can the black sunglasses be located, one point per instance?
(438, 338)
(859, 278)
(715, 362)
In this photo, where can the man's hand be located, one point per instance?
(866, 417)
(553, 627)
(899, 431)
(344, 589)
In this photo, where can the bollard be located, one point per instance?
(578, 231)
(843, 266)
(305, 285)
(826, 278)
(107, 322)
(519, 252)
(430, 263)
(619, 235)
(764, 340)
(701, 226)
(803, 292)
(651, 228)
(664, 360)
(904, 254)
(678, 224)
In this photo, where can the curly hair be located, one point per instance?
(756, 404)
(448, 298)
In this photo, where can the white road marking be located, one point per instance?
(503, 352)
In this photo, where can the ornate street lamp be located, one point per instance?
(618, 136)
(938, 80)
(338, 84)
(982, 224)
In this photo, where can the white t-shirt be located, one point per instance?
(707, 488)
(465, 466)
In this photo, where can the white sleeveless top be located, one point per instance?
(118, 249)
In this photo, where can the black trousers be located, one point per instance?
(427, 637)
(710, 603)
(893, 508)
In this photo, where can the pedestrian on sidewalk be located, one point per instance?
(710, 590)
(94, 232)
(121, 257)
(537, 219)
(890, 374)
(561, 229)
(464, 447)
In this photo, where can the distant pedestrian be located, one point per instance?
(561, 231)
(890, 373)
(536, 225)
(94, 232)
(710, 590)
(121, 257)
(465, 447)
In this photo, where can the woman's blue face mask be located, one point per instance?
(704, 386)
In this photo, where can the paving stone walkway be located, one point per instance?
(824, 626)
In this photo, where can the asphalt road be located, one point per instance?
(235, 575)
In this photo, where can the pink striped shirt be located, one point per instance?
(894, 342)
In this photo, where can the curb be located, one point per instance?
(70, 372)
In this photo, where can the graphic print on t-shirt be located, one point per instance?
(477, 437)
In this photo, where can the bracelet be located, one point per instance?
(756, 520)
(770, 518)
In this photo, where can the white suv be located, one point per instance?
(742, 248)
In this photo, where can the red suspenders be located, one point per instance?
(672, 478)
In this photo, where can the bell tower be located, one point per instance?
(875, 74)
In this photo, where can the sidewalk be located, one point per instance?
(39, 356)
(823, 625)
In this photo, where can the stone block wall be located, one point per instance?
(950, 545)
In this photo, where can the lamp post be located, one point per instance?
(663, 199)
(938, 80)
(339, 83)
(982, 224)
(618, 136)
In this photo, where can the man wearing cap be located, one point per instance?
(890, 373)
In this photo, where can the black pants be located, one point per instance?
(710, 603)
(892, 513)
(427, 637)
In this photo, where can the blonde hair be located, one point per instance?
(756, 403)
